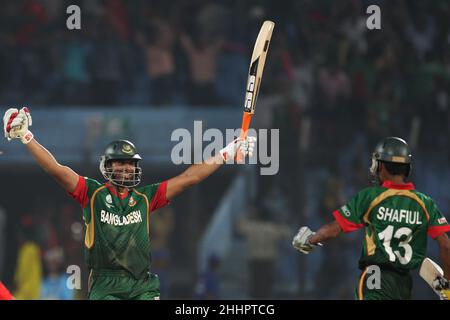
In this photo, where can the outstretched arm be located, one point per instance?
(16, 125)
(65, 176)
(444, 251)
(198, 172)
(325, 233)
(193, 175)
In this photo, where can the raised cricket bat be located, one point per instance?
(255, 72)
(430, 271)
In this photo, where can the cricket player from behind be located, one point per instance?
(396, 219)
(116, 212)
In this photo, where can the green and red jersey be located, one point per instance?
(117, 225)
(396, 219)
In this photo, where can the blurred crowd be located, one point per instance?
(193, 53)
(196, 53)
(45, 242)
(332, 87)
(48, 250)
(127, 52)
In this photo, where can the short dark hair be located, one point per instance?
(397, 168)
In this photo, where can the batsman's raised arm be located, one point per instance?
(63, 174)
(15, 125)
(198, 172)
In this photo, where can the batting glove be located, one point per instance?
(245, 147)
(443, 286)
(301, 240)
(8, 118)
(16, 123)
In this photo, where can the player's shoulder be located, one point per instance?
(421, 194)
(141, 189)
(424, 197)
(92, 182)
(369, 192)
(365, 196)
(146, 187)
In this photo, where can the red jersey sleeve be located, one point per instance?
(437, 224)
(80, 194)
(159, 199)
(346, 225)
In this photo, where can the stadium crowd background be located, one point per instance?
(332, 87)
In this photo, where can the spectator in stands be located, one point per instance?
(334, 84)
(105, 61)
(262, 236)
(28, 273)
(75, 74)
(202, 54)
(160, 62)
(208, 282)
(54, 286)
(421, 33)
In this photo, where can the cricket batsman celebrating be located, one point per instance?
(116, 212)
(396, 219)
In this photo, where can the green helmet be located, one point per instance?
(120, 150)
(391, 149)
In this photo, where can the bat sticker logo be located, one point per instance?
(250, 91)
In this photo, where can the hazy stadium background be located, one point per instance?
(332, 87)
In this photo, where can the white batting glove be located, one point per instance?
(245, 147)
(301, 240)
(16, 123)
(8, 117)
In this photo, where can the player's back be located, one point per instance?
(396, 228)
(396, 219)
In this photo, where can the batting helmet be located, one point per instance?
(391, 150)
(116, 151)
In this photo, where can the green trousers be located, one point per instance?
(121, 285)
(392, 285)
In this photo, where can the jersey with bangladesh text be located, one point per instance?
(117, 225)
(396, 219)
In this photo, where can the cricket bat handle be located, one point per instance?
(246, 118)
